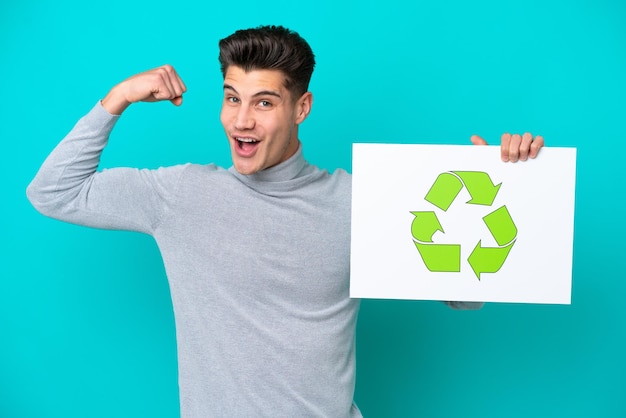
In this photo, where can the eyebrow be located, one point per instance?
(257, 94)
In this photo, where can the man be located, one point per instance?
(257, 255)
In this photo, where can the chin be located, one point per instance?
(245, 169)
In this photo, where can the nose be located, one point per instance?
(244, 118)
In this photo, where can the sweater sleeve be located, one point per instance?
(68, 186)
(465, 306)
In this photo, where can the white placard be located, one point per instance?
(403, 196)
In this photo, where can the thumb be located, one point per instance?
(478, 140)
(177, 100)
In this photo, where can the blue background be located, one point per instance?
(86, 324)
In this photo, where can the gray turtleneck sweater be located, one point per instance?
(258, 268)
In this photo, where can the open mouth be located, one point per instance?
(245, 142)
(246, 147)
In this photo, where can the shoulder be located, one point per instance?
(205, 177)
(179, 171)
(328, 186)
(201, 169)
(339, 175)
(176, 176)
(342, 179)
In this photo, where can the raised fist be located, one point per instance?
(161, 83)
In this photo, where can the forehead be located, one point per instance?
(254, 81)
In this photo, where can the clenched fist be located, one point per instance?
(162, 83)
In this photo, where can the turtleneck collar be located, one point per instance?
(285, 171)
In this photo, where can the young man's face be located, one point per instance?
(261, 118)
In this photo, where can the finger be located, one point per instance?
(505, 140)
(524, 149)
(537, 144)
(178, 87)
(477, 140)
(514, 145)
(183, 87)
(170, 90)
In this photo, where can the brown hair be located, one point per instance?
(270, 48)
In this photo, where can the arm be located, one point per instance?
(465, 306)
(68, 187)
(162, 83)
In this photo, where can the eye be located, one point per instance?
(265, 103)
(232, 99)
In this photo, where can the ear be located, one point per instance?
(303, 107)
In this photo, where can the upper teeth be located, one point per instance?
(246, 139)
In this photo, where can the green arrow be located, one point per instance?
(479, 186)
(425, 225)
(440, 257)
(501, 225)
(488, 259)
(444, 190)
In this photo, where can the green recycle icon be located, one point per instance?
(447, 257)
